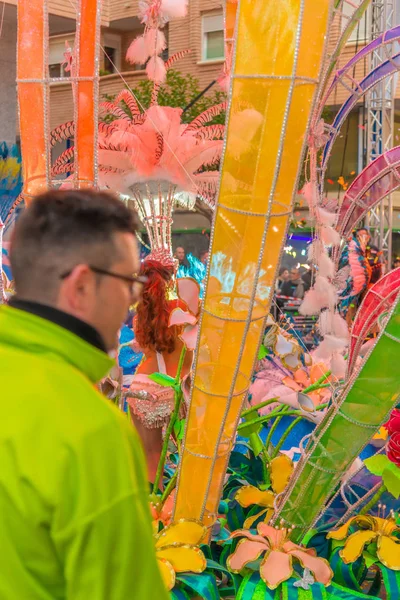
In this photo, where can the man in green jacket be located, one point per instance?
(74, 517)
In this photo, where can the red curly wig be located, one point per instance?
(152, 313)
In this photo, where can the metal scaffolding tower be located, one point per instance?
(380, 111)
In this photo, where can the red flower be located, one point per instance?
(393, 451)
(393, 425)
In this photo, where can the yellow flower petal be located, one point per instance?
(389, 552)
(341, 533)
(248, 495)
(354, 545)
(182, 532)
(183, 558)
(381, 435)
(167, 573)
(250, 520)
(281, 469)
(385, 526)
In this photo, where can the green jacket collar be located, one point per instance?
(27, 331)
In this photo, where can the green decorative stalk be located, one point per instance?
(258, 406)
(278, 419)
(286, 435)
(171, 485)
(345, 430)
(178, 399)
(380, 491)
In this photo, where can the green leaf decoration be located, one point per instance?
(391, 479)
(179, 429)
(377, 464)
(204, 585)
(247, 431)
(262, 353)
(256, 444)
(308, 535)
(370, 559)
(265, 486)
(337, 544)
(161, 379)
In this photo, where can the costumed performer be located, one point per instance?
(151, 404)
(354, 260)
(190, 266)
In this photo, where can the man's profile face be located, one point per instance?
(114, 296)
(294, 274)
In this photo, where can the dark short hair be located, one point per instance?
(61, 229)
(282, 270)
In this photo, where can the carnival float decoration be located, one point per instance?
(283, 480)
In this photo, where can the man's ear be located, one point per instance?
(78, 289)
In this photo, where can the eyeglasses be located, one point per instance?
(136, 281)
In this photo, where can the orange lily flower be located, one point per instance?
(300, 381)
(279, 551)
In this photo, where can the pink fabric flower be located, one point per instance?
(188, 291)
(300, 381)
(278, 550)
(271, 382)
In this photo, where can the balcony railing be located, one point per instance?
(61, 105)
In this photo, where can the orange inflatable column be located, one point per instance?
(33, 95)
(87, 49)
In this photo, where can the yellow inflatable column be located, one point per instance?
(279, 52)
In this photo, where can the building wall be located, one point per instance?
(8, 96)
(183, 34)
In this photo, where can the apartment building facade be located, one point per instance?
(201, 32)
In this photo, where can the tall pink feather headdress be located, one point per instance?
(149, 155)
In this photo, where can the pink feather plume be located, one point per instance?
(137, 52)
(329, 236)
(154, 41)
(333, 324)
(338, 365)
(326, 268)
(156, 70)
(326, 290)
(340, 328)
(174, 9)
(325, 217)
(333, 344)
(310, 194)
(312, 304)
(315, 250)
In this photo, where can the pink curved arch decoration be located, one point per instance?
(342, 75)
(377, 180)
(351, 25)
(384, 70)
(377, 300)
